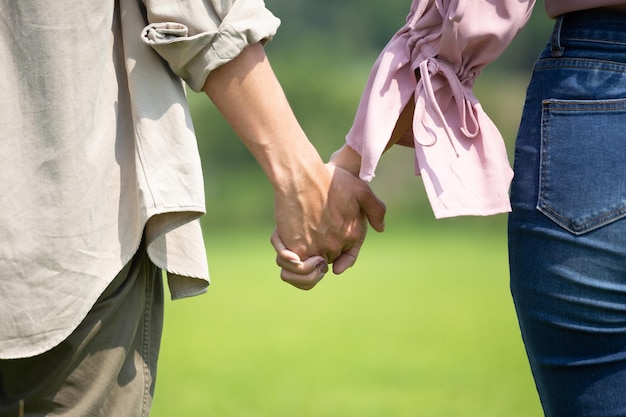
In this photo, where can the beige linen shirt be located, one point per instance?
(98, 149)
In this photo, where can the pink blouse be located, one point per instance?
(434, 59)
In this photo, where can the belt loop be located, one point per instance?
(555, 40)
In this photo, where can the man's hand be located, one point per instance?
(329, 217)
(301, 274)
(316, 228)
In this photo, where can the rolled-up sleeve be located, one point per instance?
(197, 36)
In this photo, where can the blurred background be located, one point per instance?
(422, 325)
(322, 55)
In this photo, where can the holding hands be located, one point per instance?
(322, 211)
(325, 223)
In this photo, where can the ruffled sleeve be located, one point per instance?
(434, 60)
(197, 36)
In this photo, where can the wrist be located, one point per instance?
(292, 166)
(348, 159)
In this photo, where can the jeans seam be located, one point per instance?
(581, 63)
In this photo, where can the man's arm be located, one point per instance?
(319, 210)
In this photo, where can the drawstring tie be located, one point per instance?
(469, 122)
(431, 67)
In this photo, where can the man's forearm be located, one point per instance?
(251, 99)
(319, 210)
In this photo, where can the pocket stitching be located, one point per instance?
(586, 221)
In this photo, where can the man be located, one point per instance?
(102, 186)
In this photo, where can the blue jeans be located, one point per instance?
(567, 231)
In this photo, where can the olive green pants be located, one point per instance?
(106, 367)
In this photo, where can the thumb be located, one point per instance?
(373, 208)
(346, 259)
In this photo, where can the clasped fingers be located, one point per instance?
(301, 274)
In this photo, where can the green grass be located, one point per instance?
(423, 325)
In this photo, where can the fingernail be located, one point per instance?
(295, 262)
(321, 265)
(323, 268)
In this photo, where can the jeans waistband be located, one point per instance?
(591, 25)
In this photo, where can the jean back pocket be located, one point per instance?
(582, 179)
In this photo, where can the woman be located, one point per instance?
(567, 233)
